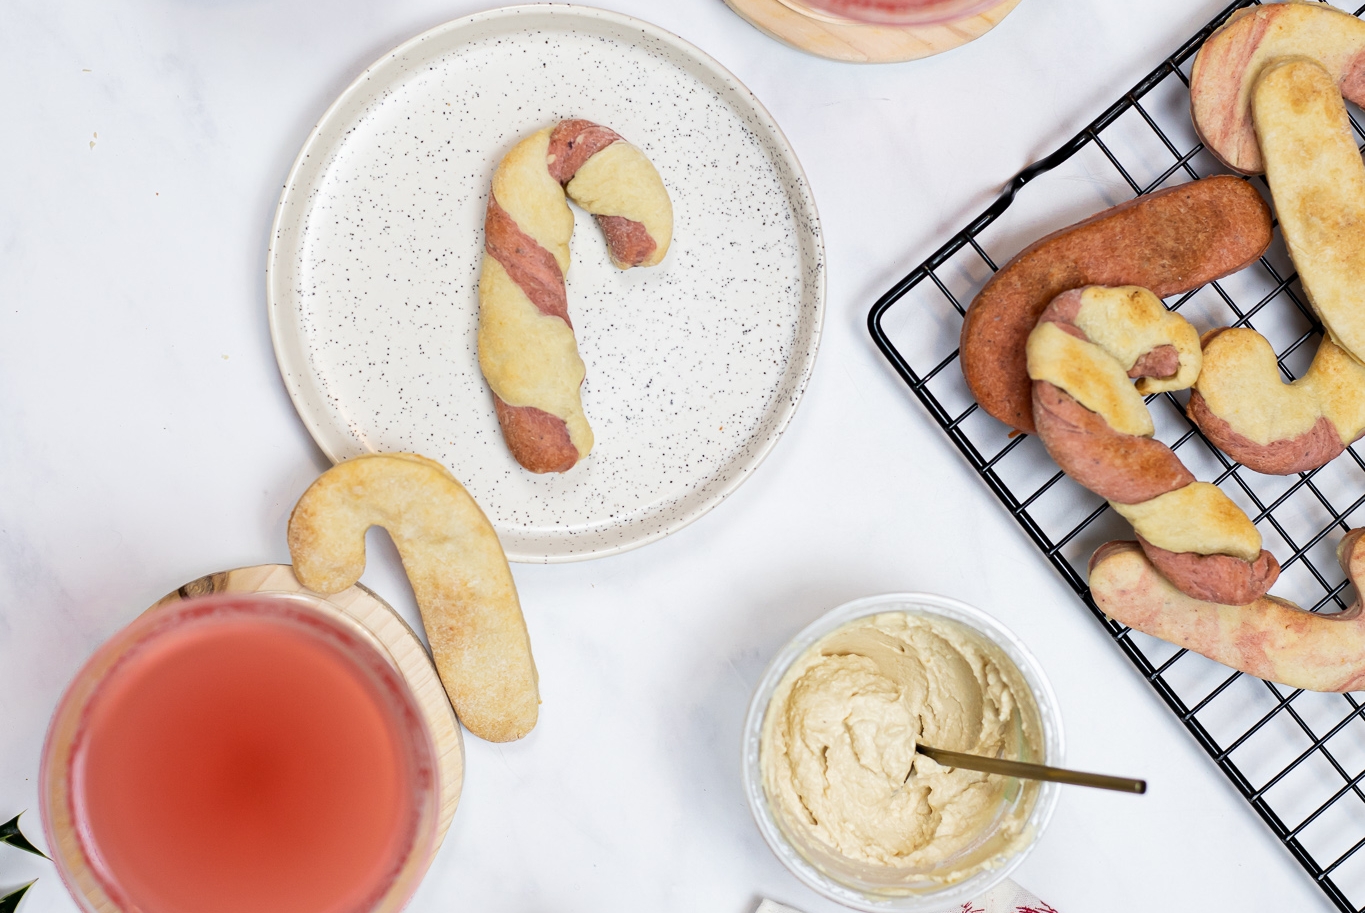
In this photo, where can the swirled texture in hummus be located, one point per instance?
(838, 745)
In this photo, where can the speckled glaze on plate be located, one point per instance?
(694, 367)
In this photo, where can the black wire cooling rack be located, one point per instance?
(1298, 757)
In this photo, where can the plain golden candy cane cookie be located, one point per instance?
(1317, 181)
(1088, 348)
(455, 564)
(527, 349)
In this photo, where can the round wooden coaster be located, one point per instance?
(856, 42)
(378, 617)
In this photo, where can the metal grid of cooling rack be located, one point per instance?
(1297, 757)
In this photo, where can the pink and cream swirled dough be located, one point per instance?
(1266, 95)
(527, 349)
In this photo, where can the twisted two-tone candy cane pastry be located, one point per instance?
(1088, 346)
(527, 349)
(1317, 180)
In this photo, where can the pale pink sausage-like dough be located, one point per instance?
(1270, 638)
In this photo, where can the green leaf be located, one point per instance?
(9, 833)
(10, 902)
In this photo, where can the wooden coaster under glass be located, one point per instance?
(857, 42)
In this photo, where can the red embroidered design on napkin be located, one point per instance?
(1043, 908)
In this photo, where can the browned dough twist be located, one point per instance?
(1130, 469)
(546, 431)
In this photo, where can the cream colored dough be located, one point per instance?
(1241, 384)
(457, 569)
(1317, 181)
(1128, 321)
(621, 181)
(510, 328)
(535, 201)
(1091, 375)
(1197, 518)
(838, 753)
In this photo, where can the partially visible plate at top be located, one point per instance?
(694, 367)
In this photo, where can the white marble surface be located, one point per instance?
(145, 439)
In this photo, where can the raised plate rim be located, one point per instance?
(800, 189)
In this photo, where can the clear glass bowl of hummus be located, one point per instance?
(830, 768)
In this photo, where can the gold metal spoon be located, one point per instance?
(1030, 771)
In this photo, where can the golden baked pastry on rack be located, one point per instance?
(1083, 356)
(1303, 140)
(1317, 181)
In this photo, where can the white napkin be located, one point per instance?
(1006, 897)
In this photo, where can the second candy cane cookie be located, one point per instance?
(527, 349)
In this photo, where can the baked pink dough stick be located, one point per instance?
(1271, 638)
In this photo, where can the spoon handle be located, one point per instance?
(1031, 771)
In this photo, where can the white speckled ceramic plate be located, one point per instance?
(694, 367)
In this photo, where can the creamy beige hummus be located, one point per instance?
(838, 746)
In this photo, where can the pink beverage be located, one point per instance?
(898, 12)
(240, 753)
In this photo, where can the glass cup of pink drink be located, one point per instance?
(237, 753)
